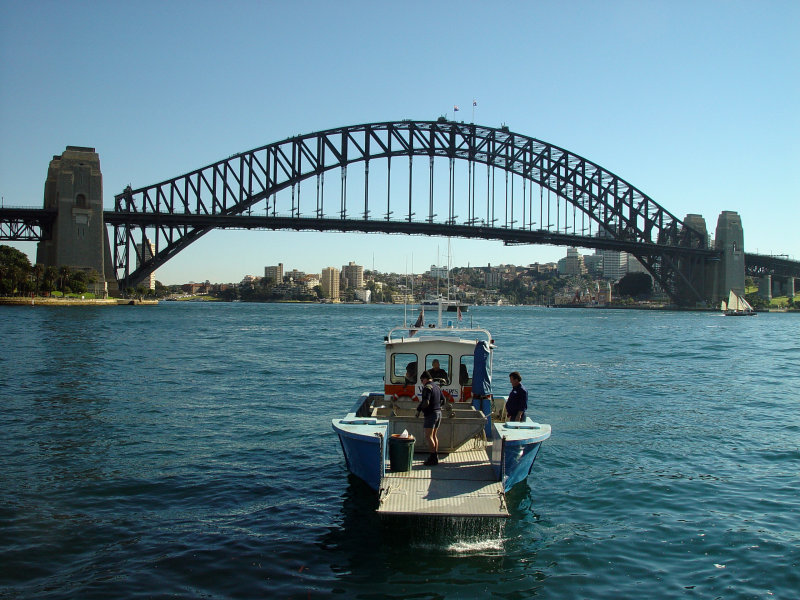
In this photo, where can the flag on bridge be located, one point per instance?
(455, 108)
(419, 324)
(474, 103)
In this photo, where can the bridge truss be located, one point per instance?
(500, 185)
(26, 224)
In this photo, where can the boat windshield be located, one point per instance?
(465, 370)
(403, 368)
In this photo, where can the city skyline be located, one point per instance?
(622, 265)
(694, 105)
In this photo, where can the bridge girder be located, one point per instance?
(25, 224)
(231, 187)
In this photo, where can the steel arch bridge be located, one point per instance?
(261, 188)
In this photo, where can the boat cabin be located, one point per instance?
(449, 357)
(449, 361)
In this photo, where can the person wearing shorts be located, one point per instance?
(431, 406)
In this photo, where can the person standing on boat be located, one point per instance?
(431, 406)
(517, 402)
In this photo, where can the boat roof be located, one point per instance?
(450, 335)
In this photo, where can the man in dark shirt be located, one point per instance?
(438, 373)
(517, 402)
(431, 406)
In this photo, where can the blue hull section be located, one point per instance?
(364, 458)
(518, 463)
(514, 449)
(363, 441)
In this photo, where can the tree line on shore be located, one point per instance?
(19, 278)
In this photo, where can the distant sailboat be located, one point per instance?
(737, 306)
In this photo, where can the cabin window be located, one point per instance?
(403, 368)
(440, 367)
(465, 370)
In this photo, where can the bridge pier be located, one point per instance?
(729, 238)
(699, 272)
(765, 287)
(783, 286)
(713, 280)
(74, 188)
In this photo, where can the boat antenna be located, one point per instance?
(405, 298)
(448, 268)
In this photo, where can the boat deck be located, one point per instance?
(463, 484)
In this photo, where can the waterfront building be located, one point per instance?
(274, 273)
(603, 292)
(329, 281)
(364, 295)
(402, 298)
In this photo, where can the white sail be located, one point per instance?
(736, 304)
(733, 301)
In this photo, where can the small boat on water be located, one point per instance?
(737, 306)
(484, 455)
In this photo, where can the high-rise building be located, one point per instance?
(594, 264)
(572, 264)
(329, 281)
(615, 264)
(294, 275)
(274, 273)
(634, 266)
(144, 253)
(352, 276)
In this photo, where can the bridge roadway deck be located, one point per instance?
(463, 484)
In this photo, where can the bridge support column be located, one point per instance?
(783, 286)
(765, 287)
(697, 271)
(74, 188)
(729, 238)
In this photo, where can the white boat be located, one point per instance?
(484, 456)
(737, 306)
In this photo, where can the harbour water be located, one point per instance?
(186, 451)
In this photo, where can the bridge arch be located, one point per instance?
(174, 213)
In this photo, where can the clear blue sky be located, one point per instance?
(695, 103)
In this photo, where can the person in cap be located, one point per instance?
(431, 406)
